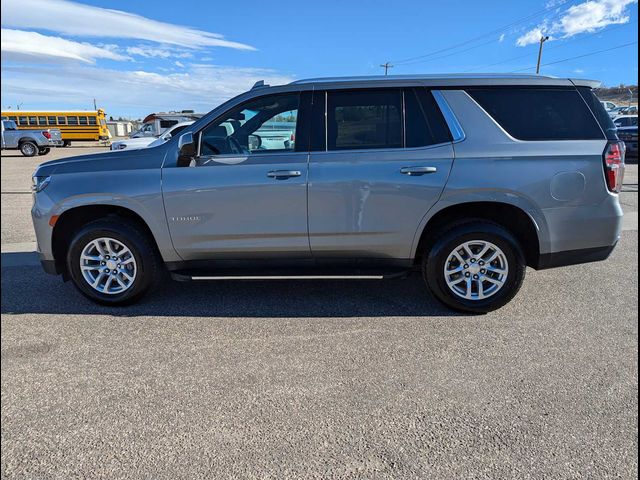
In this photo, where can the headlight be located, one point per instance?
(39, 183)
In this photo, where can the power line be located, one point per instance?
(448, 54)
(578, 56)
(493, 32)
(554, 47)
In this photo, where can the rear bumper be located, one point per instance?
(573, 257)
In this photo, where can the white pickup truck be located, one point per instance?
(29, 142)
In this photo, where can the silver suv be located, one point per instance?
(469, 179)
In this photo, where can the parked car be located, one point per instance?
(633, 110)
(467, 179)
(29, 142)
(144, 142)
(155, 124)
(629, 135)
(608, 106)
(615, 112)
(626, 121)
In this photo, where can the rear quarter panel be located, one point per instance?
(559, 184)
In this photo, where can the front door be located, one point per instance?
(245, 194)
(384, 161)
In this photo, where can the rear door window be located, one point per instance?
(424, 123)
(364, 119)
(540, 113)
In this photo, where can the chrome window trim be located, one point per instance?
(381, 150)
(457, 133)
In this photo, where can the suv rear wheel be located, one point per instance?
(112, 262)
(475, 266)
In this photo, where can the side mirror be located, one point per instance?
(166, 137)
(186, 149)
(255, 142)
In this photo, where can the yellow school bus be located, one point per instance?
(74, 126)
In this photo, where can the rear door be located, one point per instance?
(380, 163)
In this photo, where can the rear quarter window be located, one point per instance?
(539, 113)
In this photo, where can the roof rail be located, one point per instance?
(259, 84)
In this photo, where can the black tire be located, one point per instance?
(445, 243)
(148, 263)
(44, 151)
(66, 143)
(28, 148)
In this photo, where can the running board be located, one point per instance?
(185, 277)
(291, 277)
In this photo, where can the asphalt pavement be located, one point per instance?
(316, 379)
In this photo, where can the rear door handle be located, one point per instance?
(417, 170)
(283, 174)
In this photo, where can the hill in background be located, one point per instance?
(619, 95)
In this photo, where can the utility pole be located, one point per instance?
(386, 67)
(542, 40)
(94, 104)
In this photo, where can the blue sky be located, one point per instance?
(139, 57)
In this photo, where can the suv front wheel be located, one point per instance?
(474, 266)
(112, 261)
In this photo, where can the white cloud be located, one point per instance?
(532, 36)
(138, 92)
(588, 16)
(147, 51)
(72, 18)
(501, 39)
(178, 64)
(20, 45)
(594, 15)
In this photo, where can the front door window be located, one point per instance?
(264, 125)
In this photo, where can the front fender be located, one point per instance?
(135, 190)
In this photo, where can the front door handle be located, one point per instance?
(417, 170)
(283, 174)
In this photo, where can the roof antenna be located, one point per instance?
(259, 84)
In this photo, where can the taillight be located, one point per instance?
(614, 165)
(46, 135)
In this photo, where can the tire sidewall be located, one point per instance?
(34, 148)
(439, 254)
(131, 239)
